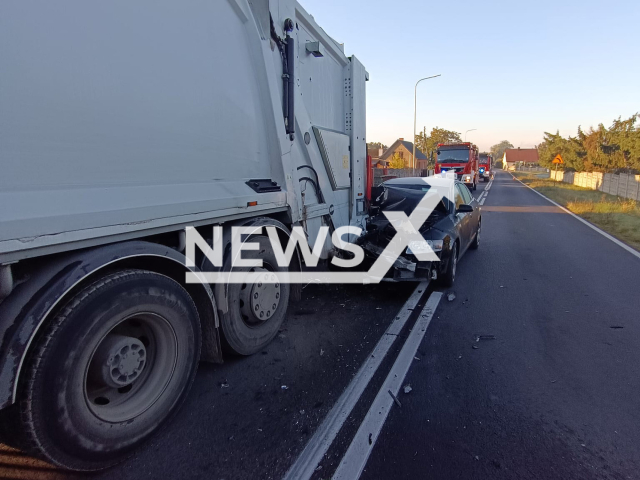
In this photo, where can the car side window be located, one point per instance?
(459, 196)
(466, 194)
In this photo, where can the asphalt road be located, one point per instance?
(550, 390)
(555, 394)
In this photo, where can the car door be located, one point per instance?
(474, 217)
(461, 218)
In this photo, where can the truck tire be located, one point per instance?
(114, 364)
(255, 311)
(449, 277)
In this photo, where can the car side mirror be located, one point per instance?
(464, 208)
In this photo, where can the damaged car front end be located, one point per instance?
(404, 195)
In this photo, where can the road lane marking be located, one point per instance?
(482, 202)
(355, 459)
(488, 185)
(629, 249)
(312, 455)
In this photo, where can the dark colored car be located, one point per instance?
(453, 227)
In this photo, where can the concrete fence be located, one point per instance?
(383, 174)
(623, 184)
(521, 168)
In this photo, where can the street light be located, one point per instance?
(465, 133)
(415, 107)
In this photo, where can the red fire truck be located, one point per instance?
(486, 164)
(461, 158)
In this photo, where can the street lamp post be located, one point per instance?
(415, 107)
(465, 133)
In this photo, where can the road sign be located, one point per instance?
(558, 159)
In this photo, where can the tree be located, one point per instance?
(428, 144)
(396, 161)
(497, 151)
(603, 149)
(377, 145)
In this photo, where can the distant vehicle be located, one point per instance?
(462, 158)
(450, 230)
(485, 166)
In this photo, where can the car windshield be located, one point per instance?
(405, 196)
(453, 156)
(484, 159)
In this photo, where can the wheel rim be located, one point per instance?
(130, 367)
(260, 301)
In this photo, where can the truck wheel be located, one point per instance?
(256, 310)
(449, 276)
(112, 366)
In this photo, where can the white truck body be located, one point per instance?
(121, 124)
(120, 120)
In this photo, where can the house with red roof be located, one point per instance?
(513, 157)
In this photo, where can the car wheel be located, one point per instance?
(476, 241)
(256, 310)
(111, 367)
(449, 276)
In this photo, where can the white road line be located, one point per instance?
(632, 251)
(488, 185)
(313, 453)
(482, 202)
(355, 459)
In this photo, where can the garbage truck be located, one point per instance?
(122, 126)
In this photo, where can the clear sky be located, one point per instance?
(510, 69)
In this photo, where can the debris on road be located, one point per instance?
(451, 296)
(224, 384)
(416, 358)
(407, 388)
(474, 346)
(321, 352)
(284, 387)
(615, 327)
(395, 399)
(485, 337)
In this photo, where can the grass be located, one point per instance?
(618, 216)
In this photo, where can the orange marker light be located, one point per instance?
(252, 204)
